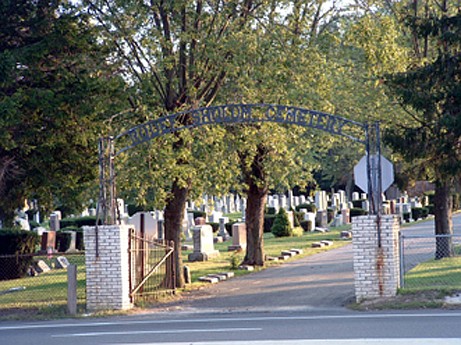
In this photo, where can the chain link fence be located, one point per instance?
(430, 261)
(36, 281)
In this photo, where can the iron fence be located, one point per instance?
(430, 261)
(39, 280)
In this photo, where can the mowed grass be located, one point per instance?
(435, 274)
(46, 290)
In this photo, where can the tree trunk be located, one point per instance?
(443, 220)
(256, 180)
(254, 220)
(174, 215)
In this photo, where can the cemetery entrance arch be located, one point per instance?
(110, 147)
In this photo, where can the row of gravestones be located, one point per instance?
(41, 266)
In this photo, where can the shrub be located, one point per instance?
(79, 222)
(419, 213)
(269, 221)
(282, 227)
(406, 217)
(198, 214)
(354, 212)
(297, 231)
(270, 210)
(358, 203)
(307, 225)
(430, 208)
(214, 226)
(308, 207)
(18, 242)
(298, 217)
(228, 227)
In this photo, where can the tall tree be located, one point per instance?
(53, 79)
(177, 54)
(430, 93)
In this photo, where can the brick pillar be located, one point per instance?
(376, 270)
(107, 275)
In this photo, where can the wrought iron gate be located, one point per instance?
(151, 267)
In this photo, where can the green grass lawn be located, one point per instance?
(435, 274)
(46, 289)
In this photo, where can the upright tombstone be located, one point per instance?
(310, 217)
(321, 200)
(355, 196)
(322, 219)
(203, 244)
(346, 215)
(239, 237)
(144, 222)
(222, 228)
(54, 222)
(48, 241)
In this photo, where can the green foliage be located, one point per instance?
(419, 213)
(55, 86)
(16, 242)
(271, 210)
(308, 207)
(354, 212)
(214, 226)
(297, 231)
(282, 226)
(198, 214)
(307, 225)
(269, 222)
(78, 222)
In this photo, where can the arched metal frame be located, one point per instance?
(364, 133)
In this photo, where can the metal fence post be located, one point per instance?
(402, 263)
(72, 289)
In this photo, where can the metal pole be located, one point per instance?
(369, 168)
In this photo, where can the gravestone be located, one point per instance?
(200, 221)
(222, 229)
(62, 262)
(48, 241)
(73, 241)
(310, 217)
(54, 222)
(322, 219)
(239, 237)
(345, 214)
(321, 200)
(355, 196)
(42, 267)
(203, 244)
(146, 220)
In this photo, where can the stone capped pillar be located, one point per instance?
(376, 269)
(107, 275)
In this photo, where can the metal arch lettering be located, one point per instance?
(243, 113)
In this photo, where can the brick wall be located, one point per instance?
(376, 270)
(107, 276)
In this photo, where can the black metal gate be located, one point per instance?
(151, 267)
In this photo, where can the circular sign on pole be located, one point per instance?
(361, 175)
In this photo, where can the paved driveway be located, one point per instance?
(322, 281)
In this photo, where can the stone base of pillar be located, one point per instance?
(107, 270)
(376, 268)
